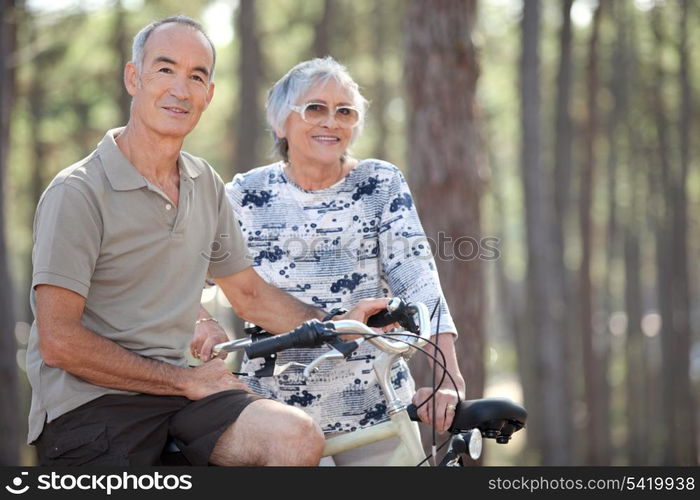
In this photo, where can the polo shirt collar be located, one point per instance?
(122, 175)
(189, 165)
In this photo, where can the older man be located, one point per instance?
(122, 239)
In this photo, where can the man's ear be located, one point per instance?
(131, 76)
(210, 93)
(280, 133)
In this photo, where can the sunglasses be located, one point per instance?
(315, 113)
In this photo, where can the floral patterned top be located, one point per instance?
(360, 238)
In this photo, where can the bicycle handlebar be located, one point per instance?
(496, 418)
(314, 333)
(309, 334)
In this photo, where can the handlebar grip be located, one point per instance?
(306, 335)
(383, 318)
(412, 411)
(401, 314)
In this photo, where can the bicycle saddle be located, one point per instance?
(496, 418)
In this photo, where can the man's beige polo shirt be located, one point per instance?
(103, 231)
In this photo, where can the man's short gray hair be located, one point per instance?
(141, 38)
(296, 83)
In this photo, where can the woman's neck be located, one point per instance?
(315, 177)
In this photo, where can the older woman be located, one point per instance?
(331, 230)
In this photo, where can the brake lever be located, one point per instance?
(333, 354)
(230, 346)
(280, 369)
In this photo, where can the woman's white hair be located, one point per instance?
(296, 83)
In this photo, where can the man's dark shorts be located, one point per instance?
(134, 430)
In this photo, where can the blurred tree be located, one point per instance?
(441, 71)
(381, 90)
(549, 363)
(636, 373)
(248, 120)
(44, 59)
(121, 47)
(324, 29)
(671, 234)
(617, 113)
(592, 369)
(686, 449)
(563, 309)
(659, 177)
(627, 226)
(9, 389)
(250, 69)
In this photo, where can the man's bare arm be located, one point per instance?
(276, 311)
(64, 343)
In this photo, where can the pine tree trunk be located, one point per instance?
(248, 118)
(625, 222)
(121, 47)
(636, 379)
(685, 429)
(564, 310)
(550, 353)
(591, 364)
(324, 30)
(9, 388)
(664, 250)
(443, 171)
(249, 71)
(381, 93)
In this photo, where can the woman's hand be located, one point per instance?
(364, 309)
(362, 312)
(445, 405)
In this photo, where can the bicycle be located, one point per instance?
(493, 418)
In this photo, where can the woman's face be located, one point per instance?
(325, 142)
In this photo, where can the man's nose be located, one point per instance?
(179, 88)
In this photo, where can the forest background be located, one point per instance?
(551, 147)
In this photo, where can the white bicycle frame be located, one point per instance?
(410, 450)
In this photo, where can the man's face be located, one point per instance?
(173, 87)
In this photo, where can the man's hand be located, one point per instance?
(210, 378)
(445, 401)
(206, 335)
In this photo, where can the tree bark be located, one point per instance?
(596, 453)
(9, 387)
(381, 99)
(36, 96)
(121, 47)
(624, 224)
(248, 119)
(555, 448)
(636, 379)
(664, 246)
(685, 428)
(249, 70)
(324, 29)
(441, 72)
(510, 310)
(564, 309)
